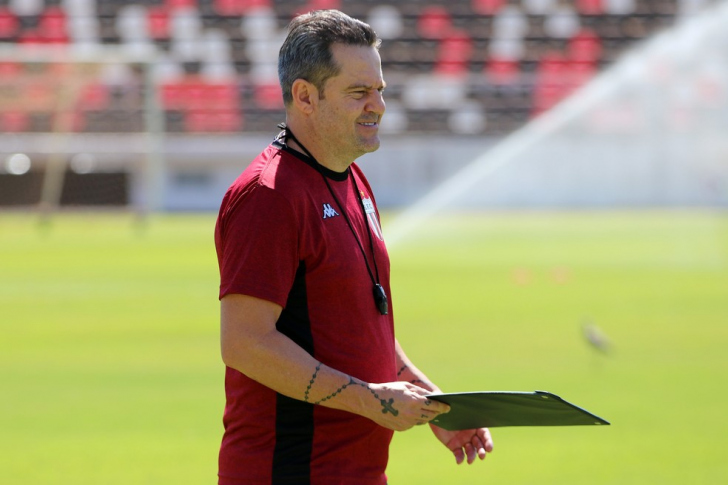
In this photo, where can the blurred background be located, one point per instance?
(156, 104)
(553, 180)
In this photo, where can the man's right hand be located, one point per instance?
(399, 405)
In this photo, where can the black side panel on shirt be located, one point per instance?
(294, 442)
(294, 321)
(294, 418)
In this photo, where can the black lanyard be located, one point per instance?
(380, 296)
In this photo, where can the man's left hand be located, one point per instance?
(467, 443)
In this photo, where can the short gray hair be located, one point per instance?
(306, 52)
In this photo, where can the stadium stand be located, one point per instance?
(468, 67)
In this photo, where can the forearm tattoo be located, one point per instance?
(310, 383)
(387, 405)
(414, 381)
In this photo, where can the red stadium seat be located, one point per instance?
(192, 93)
(51, 29)
(173, 96)
(52, 26)
(9, 70)
(30, 36)
(14, 121)
(502, 71)
(158, 22)
(9, 24)
(589, 7)
(206, 106)
(196, 92)
(268, 95)
(213, 121)
(487, 7)
(238, 7)
(551, 82)
(454, 53)
(434, 22)
(94, 96)
(322, 5)
(72, 121)
(222, 96)
(557, 77)
(585, 47)
(172, 4)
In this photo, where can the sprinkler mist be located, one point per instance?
(649, 131)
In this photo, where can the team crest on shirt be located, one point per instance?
(371, 213)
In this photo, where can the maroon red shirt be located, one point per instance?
(282, 237)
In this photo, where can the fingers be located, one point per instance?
(429, 410)
(436, 407)
(477, 446)
(459, 455)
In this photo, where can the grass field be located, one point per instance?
(110, 370)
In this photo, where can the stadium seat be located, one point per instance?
(52, 25)
(320, 5)
(49, 29)
(619, 7)
(434, 22)
(174, 4)
(94, 96)
(589, 7)
(562, 23)
(9, 70)
(557, 77)
(132, 23)
(539, 7)
(386, 20)
(510, 23)
(454, 54)
(551, 82)
(487, 7)
(9, 24)
(585, 47)
(469, 119)
(14, 121)
(205, 106)
(238, 7)
(158, 22)
(174, 96)
(259, 24)
(268, 95)
(26, 8)
(213, 121)
(500, 71)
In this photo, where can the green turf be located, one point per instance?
(110, 368)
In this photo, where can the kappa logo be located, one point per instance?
(329, 211)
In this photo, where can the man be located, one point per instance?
(316, 382)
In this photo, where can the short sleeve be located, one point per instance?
(258, 246)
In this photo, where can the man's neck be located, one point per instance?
(306, 144)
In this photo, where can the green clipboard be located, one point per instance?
(470, 410)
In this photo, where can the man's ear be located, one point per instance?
(305, 95)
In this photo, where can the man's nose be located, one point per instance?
(376, 103)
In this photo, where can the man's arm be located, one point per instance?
(251, 344)
(407, 372)
(463, 444)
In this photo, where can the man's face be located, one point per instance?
(348, 116)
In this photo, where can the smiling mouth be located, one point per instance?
(369, 123)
